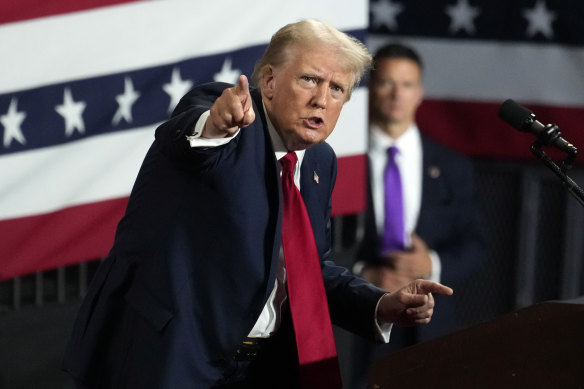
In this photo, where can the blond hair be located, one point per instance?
(309, 33)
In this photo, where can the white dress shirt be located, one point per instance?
(410, 163)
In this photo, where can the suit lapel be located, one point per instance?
(433, 185)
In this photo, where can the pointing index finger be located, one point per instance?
(434, 287)
(242, 85)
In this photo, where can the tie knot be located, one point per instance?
(392, 152)
(288, 162)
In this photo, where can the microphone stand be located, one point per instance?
(548, 139)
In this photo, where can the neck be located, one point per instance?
(393, 129)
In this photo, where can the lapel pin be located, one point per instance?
(434, 171)
(315, 176)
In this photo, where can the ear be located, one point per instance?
(267, 82)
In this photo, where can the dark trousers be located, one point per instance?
(275, 364)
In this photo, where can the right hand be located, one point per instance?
(231, 111)
(413, 263)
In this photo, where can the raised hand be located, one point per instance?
(231, 111)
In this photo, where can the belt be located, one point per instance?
(249, 349)
(236, 371)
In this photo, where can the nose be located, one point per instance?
(398, 91)
(319, 97)
(394, 92)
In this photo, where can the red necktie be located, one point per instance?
(317, 352)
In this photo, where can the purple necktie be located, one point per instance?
(393, 234)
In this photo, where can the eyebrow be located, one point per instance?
(316, 75)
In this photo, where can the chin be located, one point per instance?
(313, 141)
(302, 144)
(300, 140)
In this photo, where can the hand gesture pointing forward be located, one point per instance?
(412, 304)
(231, 111)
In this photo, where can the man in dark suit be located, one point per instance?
(196, 291)
(439, 234)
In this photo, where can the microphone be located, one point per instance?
(522, 119)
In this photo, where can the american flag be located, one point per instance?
(478, 53)
(84, 84)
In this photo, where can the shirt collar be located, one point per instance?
(380, 141)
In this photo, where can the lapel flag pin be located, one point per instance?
(315, 177)
(434, 171)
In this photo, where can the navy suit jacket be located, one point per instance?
(448, 223)
(195, 257)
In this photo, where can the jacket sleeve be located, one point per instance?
(171, 136)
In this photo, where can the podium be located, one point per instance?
(541, 346)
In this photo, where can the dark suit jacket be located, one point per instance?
(448, 223)
(195, 255)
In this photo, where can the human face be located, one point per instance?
(395, 93)
(304, 95)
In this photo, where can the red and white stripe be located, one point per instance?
(60, 205)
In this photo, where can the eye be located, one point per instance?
(307, 78)
(384, 84)
(410, 85)
(337, 91)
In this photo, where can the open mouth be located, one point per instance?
(314, 122)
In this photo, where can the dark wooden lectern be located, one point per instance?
(541, 346)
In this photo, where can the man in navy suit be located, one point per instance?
(440, 237)
(194, 291)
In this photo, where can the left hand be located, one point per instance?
(411, 305)
(413, 263)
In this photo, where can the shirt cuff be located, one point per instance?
(436, 267)
(358, 268)
(382, 330)
(196, 139)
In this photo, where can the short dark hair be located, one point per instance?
(397, 50)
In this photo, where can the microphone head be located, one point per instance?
(517, 116)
